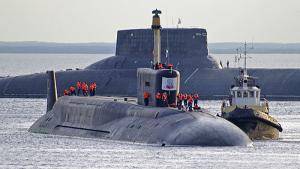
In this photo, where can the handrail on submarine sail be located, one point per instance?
(190, 76)
(51, 90)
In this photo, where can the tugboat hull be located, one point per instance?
(256, 129)
(255, 123)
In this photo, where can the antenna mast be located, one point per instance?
(245, 61)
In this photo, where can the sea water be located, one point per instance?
(21, 149)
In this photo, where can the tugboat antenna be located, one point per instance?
(245, 61)
(245, 58)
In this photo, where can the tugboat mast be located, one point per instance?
(245, 59)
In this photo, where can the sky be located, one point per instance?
(99, 20)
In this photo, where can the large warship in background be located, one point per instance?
(127, 120)
(187, 50)
(246, 109)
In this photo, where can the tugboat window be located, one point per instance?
(251, 93)
(239, 94)
(245, 94)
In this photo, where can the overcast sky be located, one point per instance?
(99, 20)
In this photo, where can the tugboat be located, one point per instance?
(247, 110)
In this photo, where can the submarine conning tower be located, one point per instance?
(159, 78)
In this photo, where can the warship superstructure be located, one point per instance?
(247, 110)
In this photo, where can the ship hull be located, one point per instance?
(256, 129)
(256, 124)
(116, 119)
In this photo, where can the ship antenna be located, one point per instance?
(167, 49)
(245, 59)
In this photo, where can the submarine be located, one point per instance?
(186, 48)
(246, 109)
(134, 120)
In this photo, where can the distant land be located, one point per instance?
(105, 48)
(51, 47)
(230, 47)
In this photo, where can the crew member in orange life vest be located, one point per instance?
(185, 100)
(66, 92)
(179, 101)
(78, 85)
(164, 99)
(146, 98)
(158, 99)
(72, 91)
(196, 98)
(95, 87)
(91, 89)
(84, 88)
(190, 103)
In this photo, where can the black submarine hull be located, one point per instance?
(187, 51)
(119, 120)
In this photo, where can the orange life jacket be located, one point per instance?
(91, 87)
(146, 95)
(95, 85)
(66, 92)
(84, 86)
(164, 97)
(160, 66)
(158, 96)
(170, 66)
(78, 85)
(72, 89)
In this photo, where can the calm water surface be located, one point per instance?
(20, 64)
(21, 149)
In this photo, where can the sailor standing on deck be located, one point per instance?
(72, 91)
(66, 92)
(164, 99)
(84, 88)
(94, 89)
(91, 89)
(196, 98)
(78, 85)
(146, 98)
(158, 97)
(190, 103)
(185, 100)
(179, 101)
